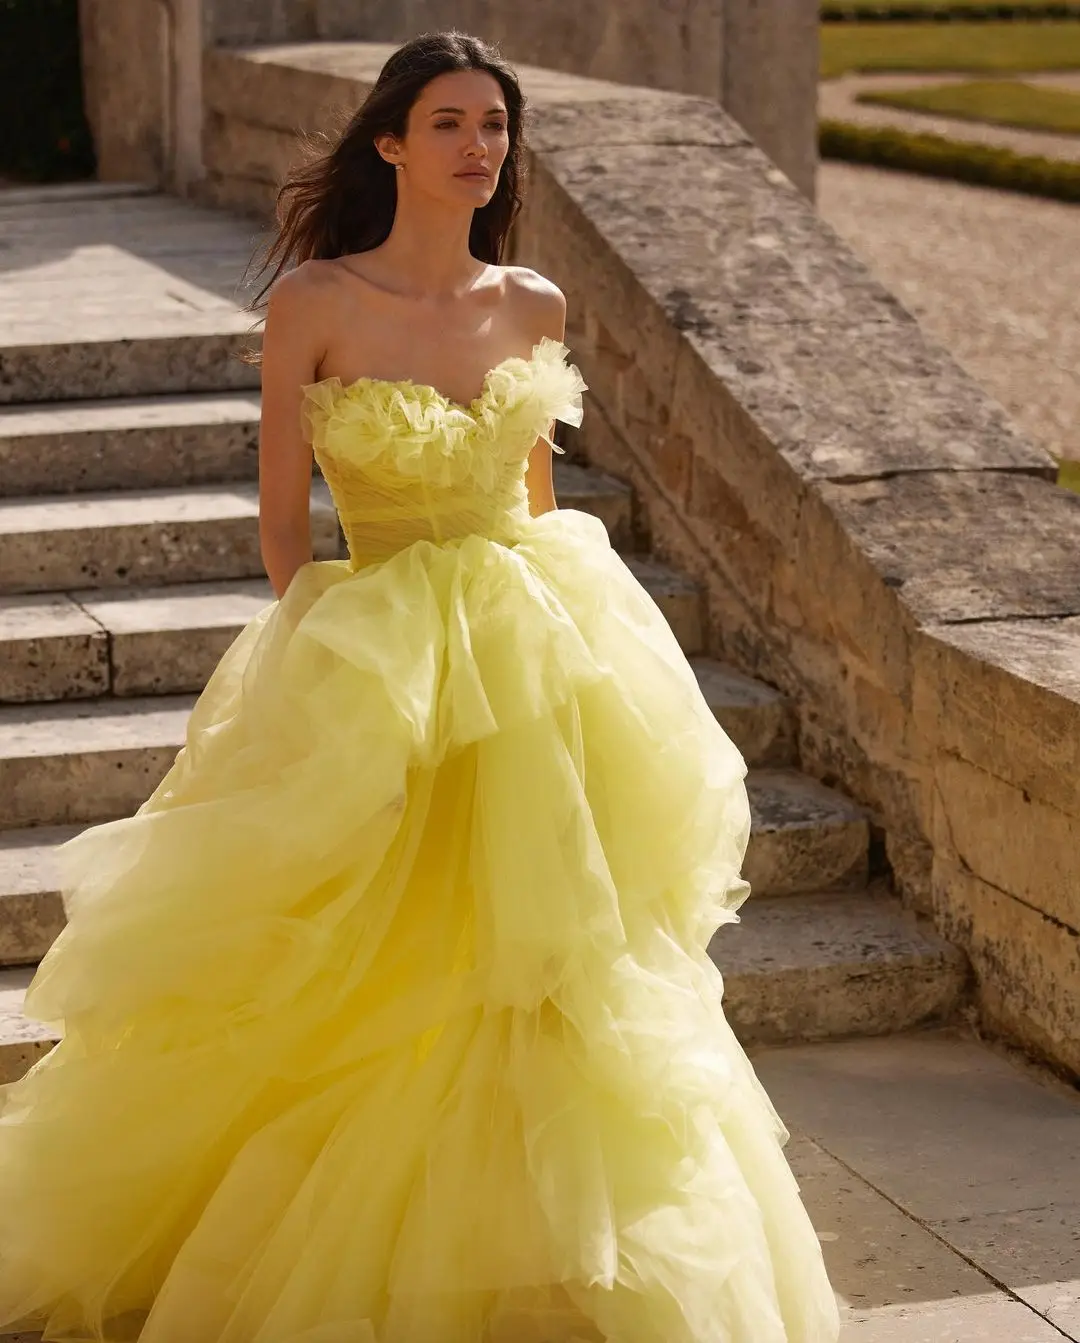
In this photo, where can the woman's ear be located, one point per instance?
(388, 148)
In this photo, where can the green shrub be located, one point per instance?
(936, 156)
(945, 11)
(44, 136)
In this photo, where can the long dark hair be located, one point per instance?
(343, 198)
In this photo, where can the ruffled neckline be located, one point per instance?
(400, 428)
(544, 351)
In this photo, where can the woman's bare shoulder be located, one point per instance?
(538, 303)
(311, 281)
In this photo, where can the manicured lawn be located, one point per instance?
(1000, 102)
(831, 8)
(981, 48)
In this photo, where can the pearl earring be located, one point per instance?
(400, 167)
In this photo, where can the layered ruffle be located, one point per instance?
(388, 1017)
(402, 430)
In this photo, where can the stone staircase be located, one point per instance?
(129, 559)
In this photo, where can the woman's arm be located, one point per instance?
(547, 311)
(290, 359)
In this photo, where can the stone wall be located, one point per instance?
(874, 536)
(757, 57)
(125, 61)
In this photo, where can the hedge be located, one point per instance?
(44, 136)
(946, 11)
(937, 156)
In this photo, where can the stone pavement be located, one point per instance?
(992, 275)
(837, 101)
(944, 1181)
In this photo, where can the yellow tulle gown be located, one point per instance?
(388, 1017)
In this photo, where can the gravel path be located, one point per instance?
(836, 101)
(993, 275)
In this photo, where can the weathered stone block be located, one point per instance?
(1026, 962)
(1005, 695)
(1008, 839)
(967, 546)
(50, 649)
(239, 149)
(707, 234)
(846, 400)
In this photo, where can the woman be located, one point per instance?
(388, 1017)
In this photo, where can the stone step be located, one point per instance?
(811, 968)
(758, 719)
(136, 443)
(677, 596)
(805, 837)
(138, 538)
(31, 910)
(131, 295)
(175, 442)
(22, 1042)
(68, 763)
(167, 639)
(129, 359)
(69, 769)
(821, 966)
(121, 642)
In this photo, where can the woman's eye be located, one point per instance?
(445, 125)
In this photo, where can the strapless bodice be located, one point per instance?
(405, 463)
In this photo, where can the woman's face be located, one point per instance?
(456, 139)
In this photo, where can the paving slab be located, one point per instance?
(982, 1151)
(1035, 1252)
(977, 1136)
(896, 1281)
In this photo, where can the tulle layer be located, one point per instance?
(388, 1017)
